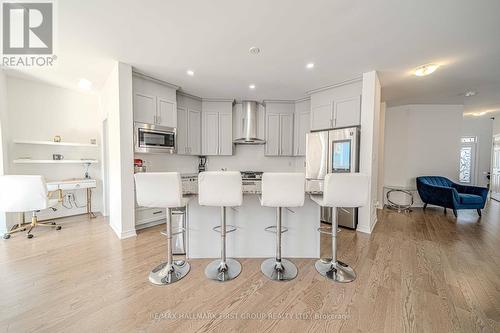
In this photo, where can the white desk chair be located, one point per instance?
(19, 194)
(222, 189)
(281, 190)
(163, 190)
(340, 190)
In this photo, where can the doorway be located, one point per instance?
(468, 156)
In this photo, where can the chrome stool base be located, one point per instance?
(338, 271)
(161, 275)
(271, 268)
(216, 271)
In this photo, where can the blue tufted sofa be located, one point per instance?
(441, 191)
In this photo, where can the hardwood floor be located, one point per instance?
(417, 272)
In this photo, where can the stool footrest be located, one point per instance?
(230, 228)
(327, 230)
(273, 228)
(181, 230)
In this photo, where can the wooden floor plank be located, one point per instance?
(417, 272)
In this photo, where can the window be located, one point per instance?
(468, 139)
(465, 164)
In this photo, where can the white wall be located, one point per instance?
(421, 140)
(368, 155)
(3, 140)
(381, 158)
(116, 104)
(496, 124)
(482, 128)
(40, 111)
(245, 157)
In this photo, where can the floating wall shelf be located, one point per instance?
(52, 143)
(30, 161)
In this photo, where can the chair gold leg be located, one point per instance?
(15, 228)
(35, 223)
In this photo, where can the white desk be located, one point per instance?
(75, 184)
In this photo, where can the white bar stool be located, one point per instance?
(340, 190)
(163, 190)
(281, 190)
(222, 189)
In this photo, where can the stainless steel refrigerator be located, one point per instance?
(332, 151)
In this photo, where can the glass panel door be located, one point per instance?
(341, 156)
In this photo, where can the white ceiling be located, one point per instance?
(343, 38)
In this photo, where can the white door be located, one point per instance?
(210, 144)
(495, 169)
(286, 134)
(272, 134)
(321, 117)
(167, 114)
(225, 134)
(303, 123)
(347, 112)
(194, 130)
(144, 108)
(182, 131)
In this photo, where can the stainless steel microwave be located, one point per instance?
(154, 139)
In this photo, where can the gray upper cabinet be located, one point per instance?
(154, 103)
(217, 127)
(188, 131)
(302, 126)
(321, 116)
(144, 108)
(188, 124)
(347, 112)
(194, 132)
(166, 112)
(272, 134)
(336, 107)
(279, 128)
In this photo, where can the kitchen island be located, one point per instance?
(250, 240)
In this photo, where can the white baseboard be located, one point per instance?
(365, 229)
(123, 234)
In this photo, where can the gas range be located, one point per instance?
(252, 181)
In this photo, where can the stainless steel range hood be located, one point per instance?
(249, 125)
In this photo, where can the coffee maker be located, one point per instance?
(202, 164)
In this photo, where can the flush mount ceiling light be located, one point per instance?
(254, 50)
(190, 72)
(252, 86)
(310, 65)
(84, 84)
(426, 69)
(470, 93)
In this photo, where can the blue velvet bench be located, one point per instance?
(440, 191)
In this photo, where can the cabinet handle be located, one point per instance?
(157, 212)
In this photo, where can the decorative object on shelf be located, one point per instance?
(93, 141)
(57, 157)
(57, 138)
